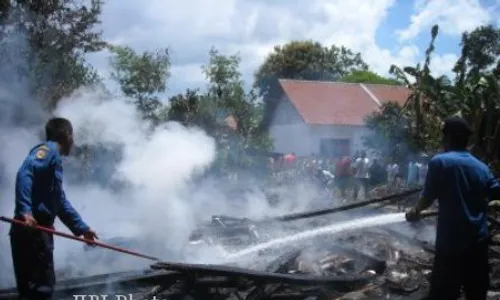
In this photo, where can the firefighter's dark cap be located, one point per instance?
(456, 126)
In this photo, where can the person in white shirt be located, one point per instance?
(412, 178)
(422, 169)
(362, 175)
(392, 173)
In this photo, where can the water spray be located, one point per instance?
(372, 221)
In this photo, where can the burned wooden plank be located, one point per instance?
(369, 262)
(414, 261)
(339, 282)
(263, 292)
(280, 264)
(317, 293)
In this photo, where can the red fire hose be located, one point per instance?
(69, 236)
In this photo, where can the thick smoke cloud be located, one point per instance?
(152, 196)
(20, 119)
(156, 205)
(145, 188)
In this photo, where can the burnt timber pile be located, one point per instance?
(388, 262)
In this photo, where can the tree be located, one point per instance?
(225, 112)
(227, 92)
(477, 88)
(474, 94)
(42, 49)
(227, 100)
(368, 77)
(141, 76)
(426, 90)
(305, 60)
(480, 52)
(58, 35)
(225, 84)
(390, 136)
(192, 109)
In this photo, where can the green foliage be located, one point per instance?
(368, 77)
(225, 101)
(390, 136)
(192, 109)
(480, 51)
(222, 73)
(419, 100)
(474, 94)
(307, 60)
(141, 76)
(42, 48)
(58, 34)
(227, 98)
(225, 89)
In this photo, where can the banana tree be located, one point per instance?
(422, 105)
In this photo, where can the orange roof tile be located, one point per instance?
(338, 103)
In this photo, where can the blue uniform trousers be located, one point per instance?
(32, 255)
(453, 271)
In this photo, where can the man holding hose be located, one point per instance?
(40, 198)
(462, 184)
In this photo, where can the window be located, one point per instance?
(334, 147)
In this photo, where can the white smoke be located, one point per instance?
(155, 202)
(16, 107)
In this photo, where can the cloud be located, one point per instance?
(453, 17)
(443, 64)
(254, 27)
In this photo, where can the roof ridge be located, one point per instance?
(372, 96)
(388, 85)
(317, 81)
(340, 82)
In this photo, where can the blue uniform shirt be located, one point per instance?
(39, 189)
(463, 185)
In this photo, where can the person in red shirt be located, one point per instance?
(290, 160)
(342, 174)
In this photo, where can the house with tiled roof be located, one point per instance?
(327, 118)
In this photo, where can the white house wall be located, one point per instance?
(291, 134)
(292, 138)
(354, 134)
(305, 139)
(288, 130)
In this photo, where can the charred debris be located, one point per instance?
(372, 263)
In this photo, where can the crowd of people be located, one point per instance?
(350, 175)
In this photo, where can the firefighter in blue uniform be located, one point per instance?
(40, 198)
(462, 184)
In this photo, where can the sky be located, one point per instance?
(385, 32)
